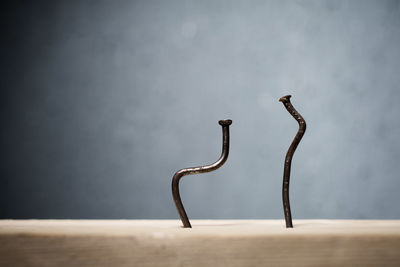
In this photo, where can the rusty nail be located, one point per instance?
(289, 155)
(202, 169)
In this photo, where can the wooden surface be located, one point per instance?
(208, 243)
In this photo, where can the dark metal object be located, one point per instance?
(202, 169)
(289, 155)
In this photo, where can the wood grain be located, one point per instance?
(208, 243)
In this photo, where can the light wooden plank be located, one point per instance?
(208, 243)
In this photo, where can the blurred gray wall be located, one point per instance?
(102, 101)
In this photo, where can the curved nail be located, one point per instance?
(289, 155)
(202, 169)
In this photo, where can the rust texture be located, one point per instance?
(202, 169)
(289, 155)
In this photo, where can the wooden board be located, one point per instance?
(208, 243)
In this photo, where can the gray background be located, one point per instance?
(102, 101)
